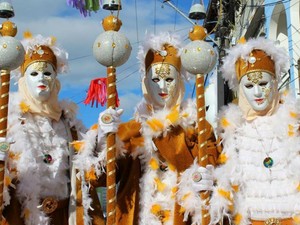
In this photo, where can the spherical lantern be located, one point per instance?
(111, 48)
(11, 53)
(198, 57)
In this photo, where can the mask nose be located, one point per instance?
(162, 85)
(257, 91)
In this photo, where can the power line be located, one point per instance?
(269, 4)
(175, 16)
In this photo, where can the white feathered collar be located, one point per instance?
(281, 127)
(35, 136)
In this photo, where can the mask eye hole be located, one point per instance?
(47, 73)
(263, 83)
(34, 73)
(155, 80)
(248, 86)
(169, 80)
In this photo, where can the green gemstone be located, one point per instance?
(268, 162)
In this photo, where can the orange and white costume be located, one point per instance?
(156, 151)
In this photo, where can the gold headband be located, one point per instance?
(168, 55)
(258, 61)
(42, 53)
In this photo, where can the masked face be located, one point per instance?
(162, 82)
(259, 89)
(40, 79)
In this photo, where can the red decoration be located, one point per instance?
(97, 93)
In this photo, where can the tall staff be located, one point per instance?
(11, 57)
(111, 49)
(199, 58)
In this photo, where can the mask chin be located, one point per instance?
(42, 97)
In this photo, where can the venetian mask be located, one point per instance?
(40, 79)
(258, 88)
(162, 83)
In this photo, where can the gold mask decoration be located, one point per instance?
(40, 66)
(163, 70)
(255, 77)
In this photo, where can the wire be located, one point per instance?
(270, 4)
(128, 75)
(175, 16)
(247, 20)
(80, 57)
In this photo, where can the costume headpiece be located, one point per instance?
(43, 49)
(42, 54)
(255, 55)
(167, 55)
(162, 48)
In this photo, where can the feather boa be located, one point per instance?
(159, 190)
(246, 188)
(35, 136)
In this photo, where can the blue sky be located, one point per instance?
(76, 34)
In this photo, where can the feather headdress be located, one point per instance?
(256, 54)
(39, 48)
(157, 43)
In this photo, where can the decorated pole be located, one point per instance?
(111, 49)
(11, 57)
(199, 58)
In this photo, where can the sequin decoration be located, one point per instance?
(4, 146)
(47, 158)
(252, 59)
(268, 162)
(196, 176)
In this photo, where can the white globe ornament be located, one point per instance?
(111, 48)
(198, 57)
(12, 53)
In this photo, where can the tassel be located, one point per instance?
(85, 6)
(80, 5)
(97, 93)
(92, 5)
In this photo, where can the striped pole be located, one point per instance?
(199, 58)
(4, 97)
(111, 49)
(202, 142)
(111, 152)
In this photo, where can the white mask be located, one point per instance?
(162, 81)
(258, 88)
(40, 79)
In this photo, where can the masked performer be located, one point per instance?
(156, 151)
(40, 178)
(258, 182)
